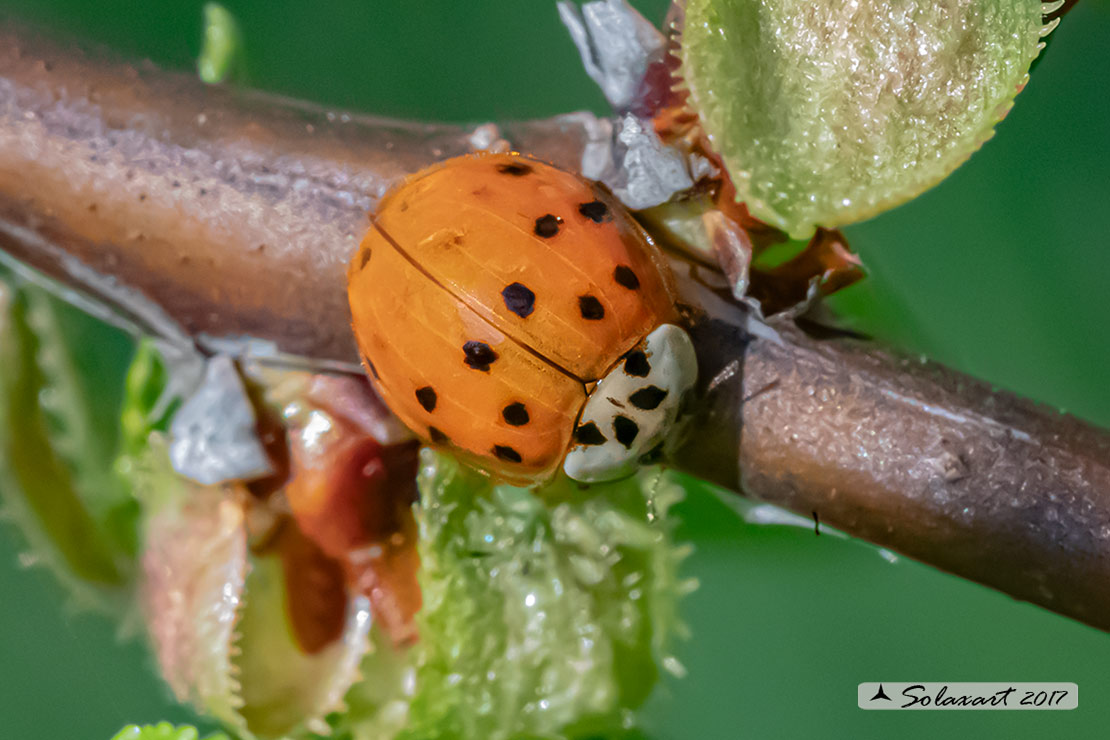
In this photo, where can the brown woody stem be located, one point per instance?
(210, 213)
(228, 212)
(912, 456)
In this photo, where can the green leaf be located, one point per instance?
(81, 412)
(163, 731)
(284, 689)
(831, 112)
(146, 406)
(546, 613)
(221, 56)
(56, 481)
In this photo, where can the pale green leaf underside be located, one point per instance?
(831, 112)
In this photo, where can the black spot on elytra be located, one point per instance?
(504, 452)
(596, 211)
(590, 308)
(437, 436)
(364, 258)
(648, 398)
(626, 278)
(370, 366)
(478, 355)
(626, 430)
(515, 414)
(547, 226)
(519, 299)
(427, 397)
(589, 434)
(636, 364)
(516, 169)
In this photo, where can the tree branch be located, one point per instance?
(207, 214)
(226, 212)
(911, 456)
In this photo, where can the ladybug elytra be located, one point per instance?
(516, 313)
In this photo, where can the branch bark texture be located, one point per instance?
(210, 213)
(912, 456)
(228, 212)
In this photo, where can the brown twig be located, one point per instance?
(226, 212)
(911, 456)
(214, 214)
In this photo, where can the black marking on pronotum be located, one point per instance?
(590, 308)
(648, 398)
(547, 226)
(364, 258)
(636, 364)
(589, 434)
(427, 397)
(504, 452)
(516, 169)
(596, 211)
(515, 414)
(626, 278)
(478, 355)
(437, 436)
(626, 430)
(519, 299)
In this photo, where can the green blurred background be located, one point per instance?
(1002, 271)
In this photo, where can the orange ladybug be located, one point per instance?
(516, 313)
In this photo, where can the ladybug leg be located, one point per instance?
(632, 408)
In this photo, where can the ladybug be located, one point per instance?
(516, 314)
